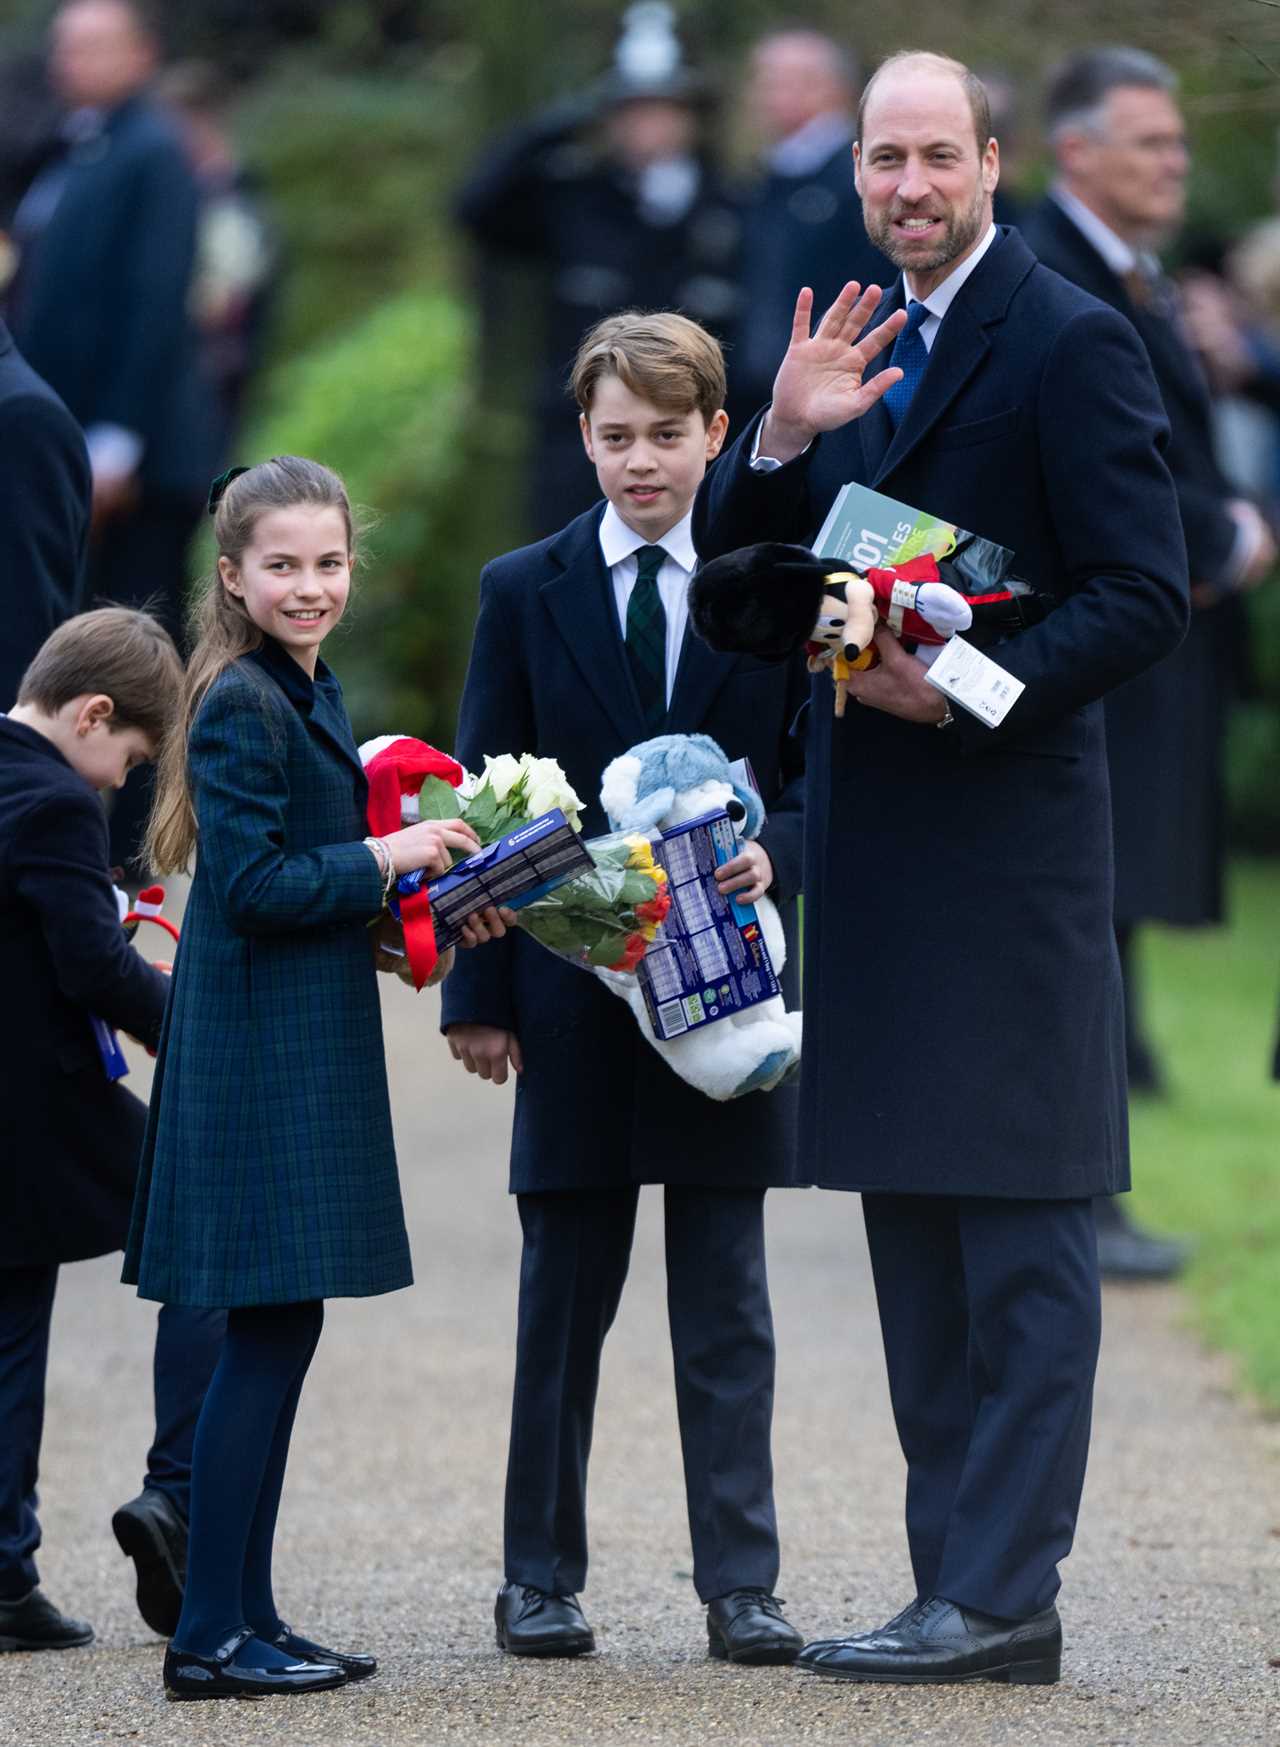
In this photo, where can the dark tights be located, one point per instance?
(237, 1471)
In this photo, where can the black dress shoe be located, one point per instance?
(187, 1675)
(531, 1622)
(747, 1626)
(33, 1623)
(152, 1532)
(353, 1664)
(937, 1642)
(1126, 1252)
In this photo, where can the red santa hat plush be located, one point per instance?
(396, 766)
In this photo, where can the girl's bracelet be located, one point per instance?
(381, 853)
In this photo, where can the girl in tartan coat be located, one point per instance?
(268, 1180)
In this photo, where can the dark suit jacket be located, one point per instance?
(1165, 729)
(796, 231)
(70, 1140)
(44, 514)
(596, 1107)
(965, 1036)
(269, 1172)
(101, 307)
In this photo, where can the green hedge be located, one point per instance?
(387, 404)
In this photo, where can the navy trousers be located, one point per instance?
(991, 1316)
(577, 1246)
(187, 1345)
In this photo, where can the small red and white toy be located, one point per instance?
(396, 766)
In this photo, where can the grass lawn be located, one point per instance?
(1206, 1159)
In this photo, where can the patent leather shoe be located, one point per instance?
(353, 1663)
(936, 1642)
(747, 1626)
(225, 1675)
(33, 1623)
(533, 1622)
(153, 1533)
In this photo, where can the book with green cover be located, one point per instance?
(869, 531)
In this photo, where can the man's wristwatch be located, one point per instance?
(947, 719)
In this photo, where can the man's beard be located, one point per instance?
(961, 232)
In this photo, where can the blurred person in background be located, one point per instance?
(237, 255)
(802, 218)
(1007, 124)
(1120, 150)
(105, 239)
(615, 198)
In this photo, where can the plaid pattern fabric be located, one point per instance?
(646, 637)
(268, 1174)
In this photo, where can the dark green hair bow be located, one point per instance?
(219, 486)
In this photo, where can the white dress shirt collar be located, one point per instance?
(618, 541)
(942, 296)
(1120, 256)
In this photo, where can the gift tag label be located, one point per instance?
(975, 682)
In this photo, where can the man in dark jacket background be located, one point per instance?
(1120, 147)
(99, 306)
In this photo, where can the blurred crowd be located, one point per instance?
(138, 265)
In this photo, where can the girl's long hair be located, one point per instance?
(222, 631)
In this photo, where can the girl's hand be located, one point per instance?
(429, 845)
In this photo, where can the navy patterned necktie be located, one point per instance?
(910, 354)
(647, 637)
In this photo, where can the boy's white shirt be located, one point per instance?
(619, 544)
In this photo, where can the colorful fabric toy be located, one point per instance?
(396, 766)
(772, 600)
(660, 783)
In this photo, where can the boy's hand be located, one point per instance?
(486, 1050)
(491, 923)
(749, 874)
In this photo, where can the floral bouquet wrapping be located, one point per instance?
(604, 918)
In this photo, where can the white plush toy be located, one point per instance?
(664, 782)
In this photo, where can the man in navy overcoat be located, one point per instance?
(44, 513)
(965, 1068)
(598, 1112)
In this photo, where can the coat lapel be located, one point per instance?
(699, 676)
(580, 601)
(961, 345)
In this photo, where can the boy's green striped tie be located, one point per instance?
(647, 637)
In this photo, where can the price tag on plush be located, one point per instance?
(975, 682)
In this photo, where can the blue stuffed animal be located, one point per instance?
(664, 782)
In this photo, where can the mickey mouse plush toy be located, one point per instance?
(772, 599)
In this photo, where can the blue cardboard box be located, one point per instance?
(709, 959)
(524, 865)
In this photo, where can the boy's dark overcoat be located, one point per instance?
(963, 1015)
(596, 1107)
(70, 1141)
(269, 1173)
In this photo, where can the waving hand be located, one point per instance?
(821, 382)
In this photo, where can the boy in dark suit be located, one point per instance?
(93, 705)
(581, 651)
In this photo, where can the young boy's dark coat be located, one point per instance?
(70, 1142)
(596, 1106)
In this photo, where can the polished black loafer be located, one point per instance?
(353, 1663)
(747, 1626)
(33, 1623)
(187, 1676)
(152, 1532)
(936, 1642)
(532, 1622)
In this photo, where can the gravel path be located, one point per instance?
(390, 1533)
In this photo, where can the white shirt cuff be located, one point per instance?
(769, 463)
